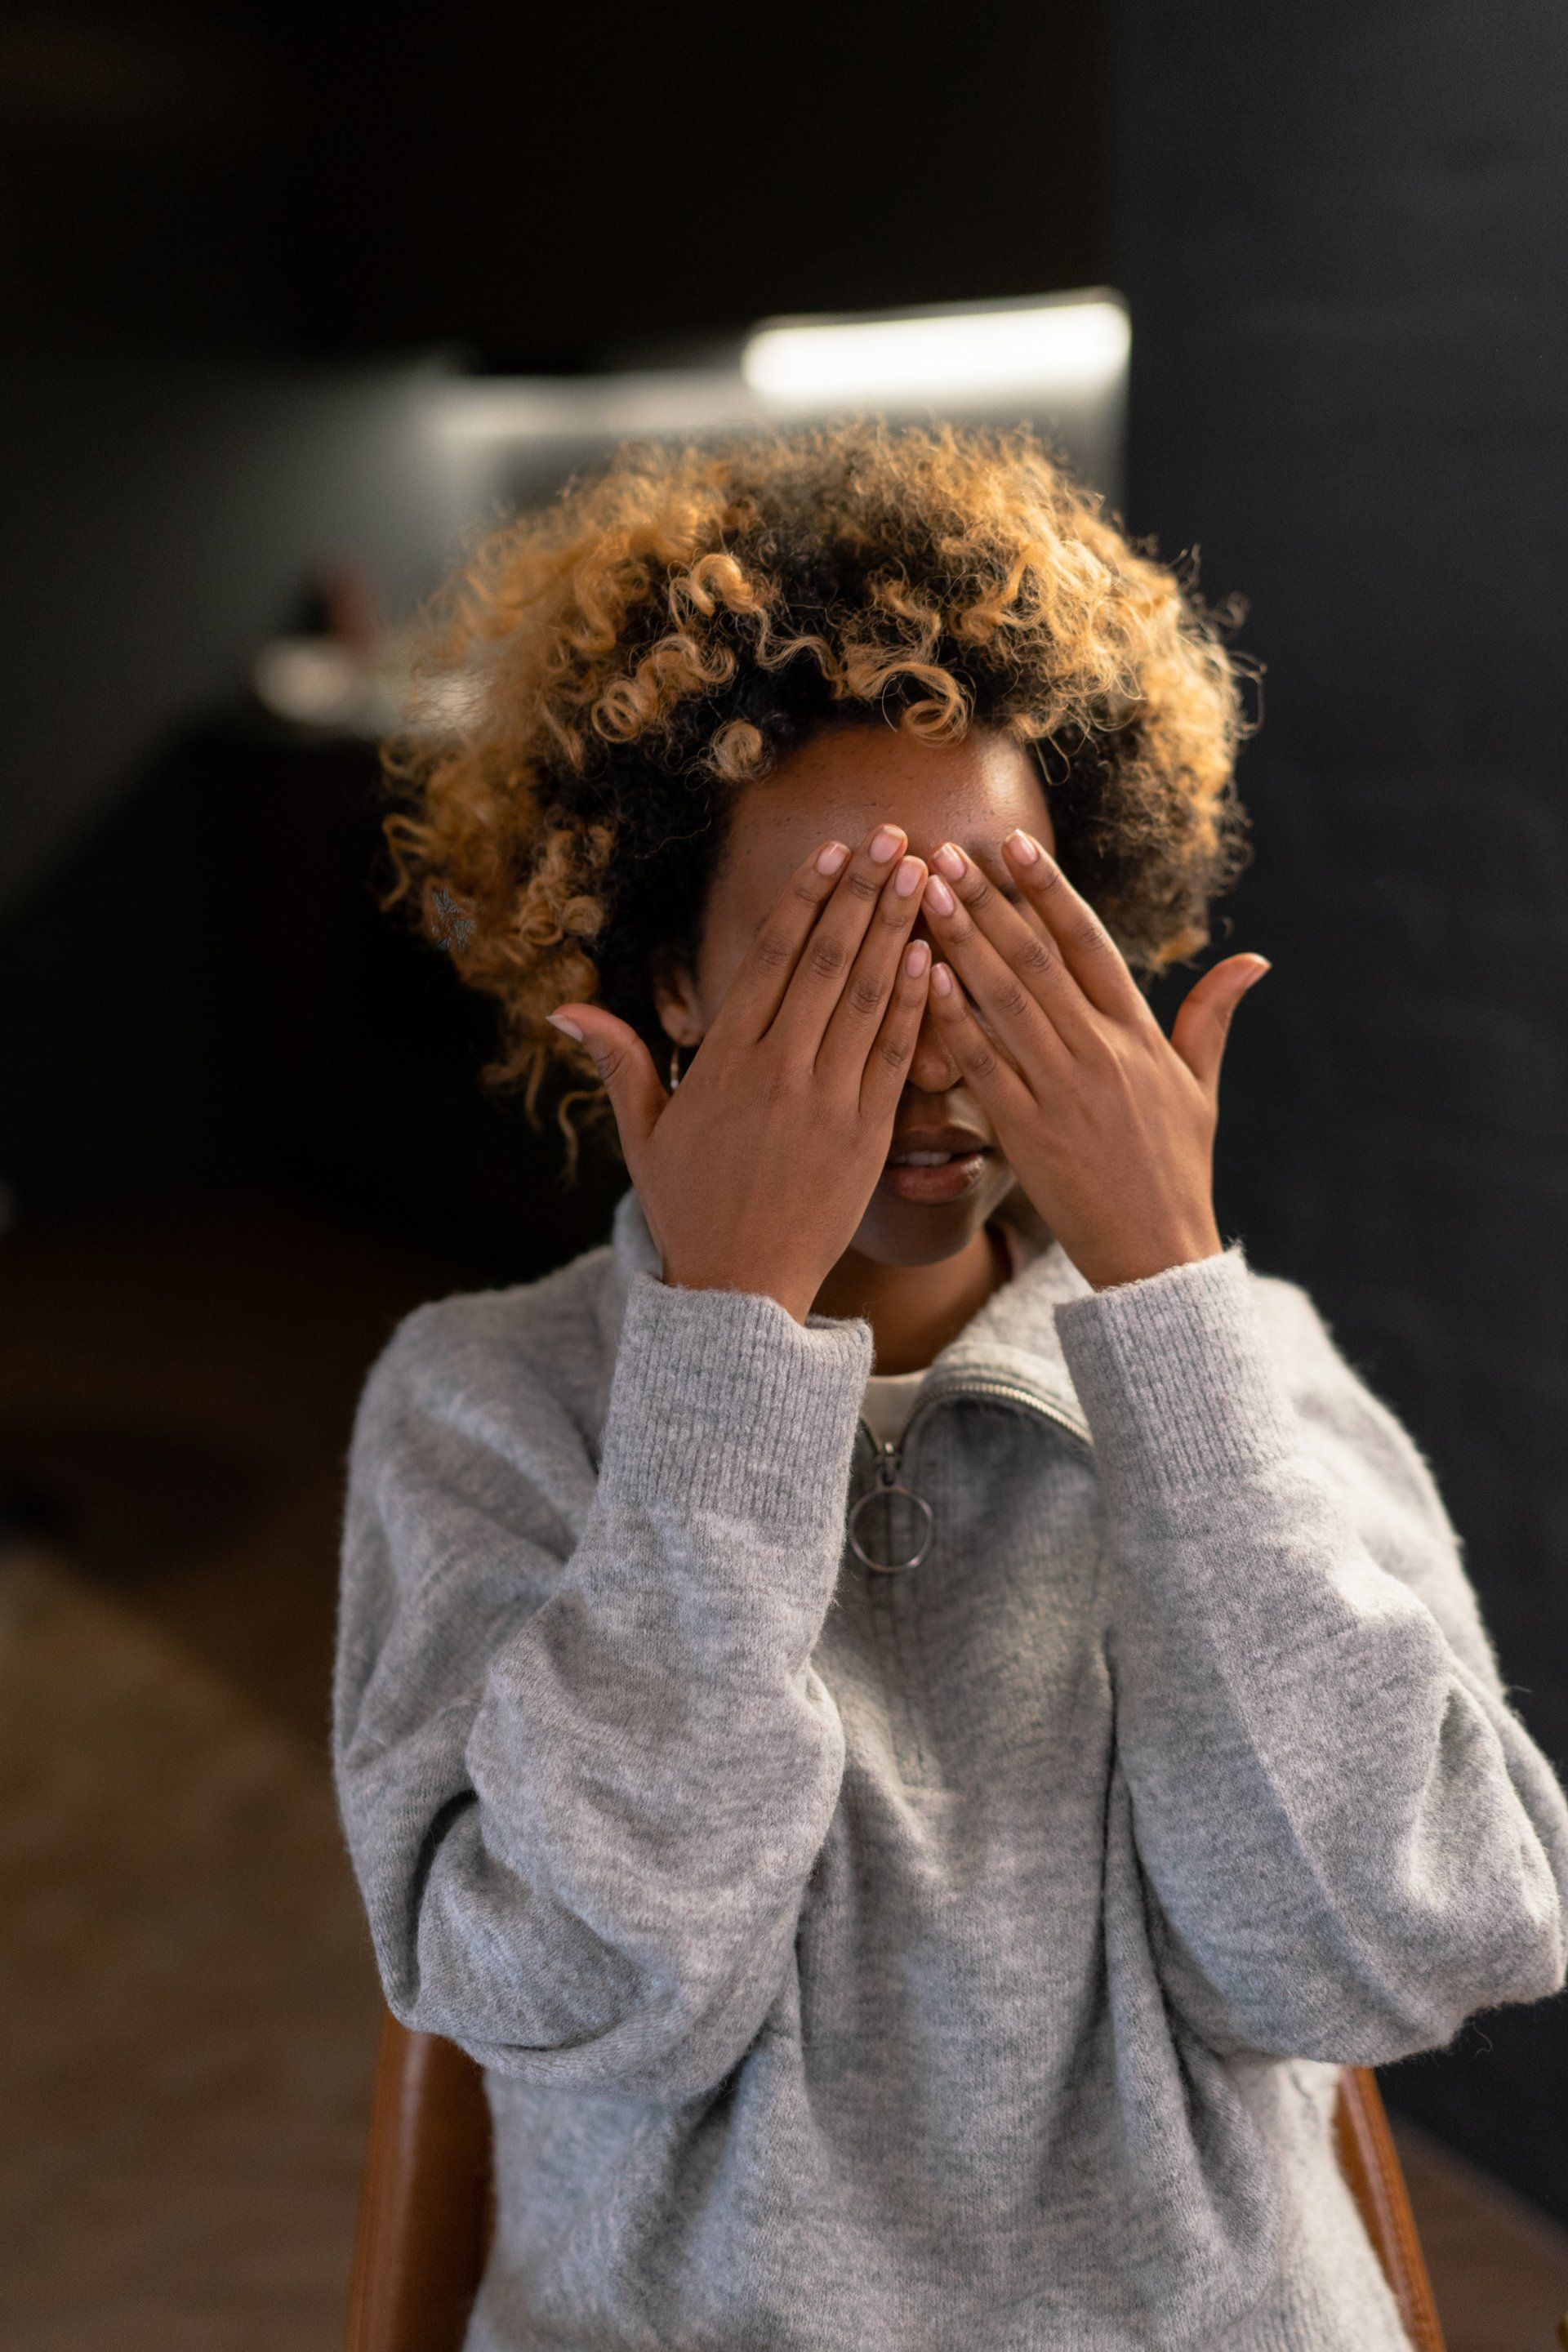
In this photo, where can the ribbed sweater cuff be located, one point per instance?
(1177, 1380)
(723, 1402)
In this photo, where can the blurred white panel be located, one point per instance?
(1058, 362)
(571, 408)
(1062, 345)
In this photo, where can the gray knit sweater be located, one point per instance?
(956, 1960)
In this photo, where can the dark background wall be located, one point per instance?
(1341, 233)
(561, 196)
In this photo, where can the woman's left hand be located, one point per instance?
(1108, 1124)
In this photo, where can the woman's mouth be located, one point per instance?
(933, 1166)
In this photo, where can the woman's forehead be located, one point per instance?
(840, 784)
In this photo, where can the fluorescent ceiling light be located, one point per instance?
(1073, 344)
(1067, 349)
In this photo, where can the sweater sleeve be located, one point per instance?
(584, 1782)
(1351, 1841)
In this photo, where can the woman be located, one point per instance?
(910, 1710)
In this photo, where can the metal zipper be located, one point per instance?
(941, 1391)
(889, 1455)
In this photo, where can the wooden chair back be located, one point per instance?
(426, 2211)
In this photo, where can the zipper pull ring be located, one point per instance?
(889, 1484)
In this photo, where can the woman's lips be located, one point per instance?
(934, 1167)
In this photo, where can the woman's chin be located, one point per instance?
(900, 1227)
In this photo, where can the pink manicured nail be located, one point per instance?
(942, 980)
(916, 959)
(939, 897)
(1023, 846)
(885, 843)
(951, 861)
(830, 859)
(560, 1020)
(908, 877)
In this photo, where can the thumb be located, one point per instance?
(1202, 1025)
(624, 1065)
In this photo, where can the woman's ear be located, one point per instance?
(675, 1000)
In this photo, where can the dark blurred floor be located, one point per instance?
(192, 2011)
(190, 2002)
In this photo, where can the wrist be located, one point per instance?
(1139, 1261)
(795, 1298)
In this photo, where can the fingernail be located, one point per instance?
(1024, 846)
(939, 897)
(885, 843)
(916, 959)
(830, 859)
(950, 859)
(942, 980)
(908, 878)
(1264, 969)
(560, 1020)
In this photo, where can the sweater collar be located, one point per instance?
(1013, 1337)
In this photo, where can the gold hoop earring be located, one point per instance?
(674, 1067)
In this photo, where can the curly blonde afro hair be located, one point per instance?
(614, 669)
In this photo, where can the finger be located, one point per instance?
(1092, 955)
(826, 960)
(982, 1065)
(858, 1015)
(626, 1069)
(1014, 976)
(1202, 1024)
(893, 1048)
(1028, 949)
(757, 990)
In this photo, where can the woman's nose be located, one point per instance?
(932, 1067)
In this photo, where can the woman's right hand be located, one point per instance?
(754, 1174)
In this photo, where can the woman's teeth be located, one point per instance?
(928, 1158)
